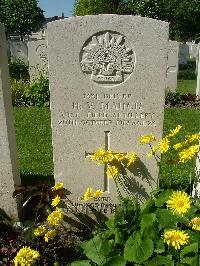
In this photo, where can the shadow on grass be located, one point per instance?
(28, 179)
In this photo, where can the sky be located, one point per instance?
(56, 7)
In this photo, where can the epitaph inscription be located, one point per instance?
(107, 58)
(104, 109)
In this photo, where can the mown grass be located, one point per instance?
(179, 175)
(33, 132)
(186, 86)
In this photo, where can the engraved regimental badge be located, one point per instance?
(107, 59)
(41, 51)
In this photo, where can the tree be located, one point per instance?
(21, 16)
(183, 15)
(94, 7)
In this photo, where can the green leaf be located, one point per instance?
(189, 261)
(160, 260)
(81, 263)
(116, 261)
(98, 249)
(148, 220)
(160, 247)
(138, 249)
(166, 219)
(163, 197)
(192, 248)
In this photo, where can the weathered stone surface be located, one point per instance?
(183, 53)
(172, 66)
(9, 171)
(198, 73)
(18, 49)
(107, 86)
(193, 49)
(196, 186)
(38, 58)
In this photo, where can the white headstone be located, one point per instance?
(107, 85)
(9, 171)
(172, 66)
(38, 58)
(18, 49)
(196, 186)
(193, 52)
(198, 73)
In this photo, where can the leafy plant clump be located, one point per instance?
(18, 69)
(181, 100)
(146, 235)
(37, 94)
(18, 88)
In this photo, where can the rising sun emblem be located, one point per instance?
(106, 59)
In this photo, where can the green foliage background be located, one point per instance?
(21, 16)
(183, 15)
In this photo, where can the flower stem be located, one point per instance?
(198, 250)
(178, 258)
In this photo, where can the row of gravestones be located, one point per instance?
(107, 84)
(34, 52)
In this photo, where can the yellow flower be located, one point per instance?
(175, 238)
(163, 145)
(152, 152)
(39, 231)
(26, 257)
(57, 186)
(88, 194)
(179, 202)
(146, 139)
(195, 223)
(103, 156)
(177, 146)
(119, 157)
(188, 154)
(131, 158)
(112, 171)
(174, 132)
(55, 201)
(50, 235)
(55, 217)
(98, 193)
(193, 137)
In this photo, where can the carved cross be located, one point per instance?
(107, 147)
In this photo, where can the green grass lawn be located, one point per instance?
(35, 151)
(33, 133)
(186, 86)
(178, 175)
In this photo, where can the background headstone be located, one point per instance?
(9, 171)
(172, 66)
(196, 186)
(107, 85)
(183, 53)
(18, 49)
(198, 73)
(38, 58)
(193, 52)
